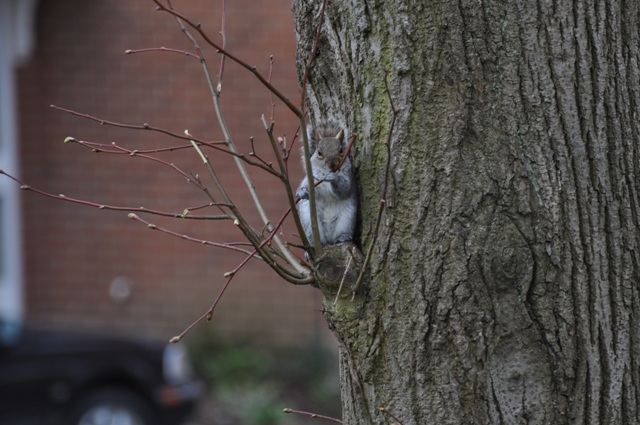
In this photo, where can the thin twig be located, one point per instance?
(65, 198)
(273, 104)
(209, 313)
(110, 148)
(193, 180)
(230, 275)
(229, 246)
(296, 135)
(223, 35)
(144, 126)
(312, 415)
(231, 56)
(255, 155)
(211, 144)
(317, 246)
(188, 210)
(344, 275)
(346, 152)
(386, 411)
(279, 225)
(160, 49)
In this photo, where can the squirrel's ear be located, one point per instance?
(340, 135)
(318, 136)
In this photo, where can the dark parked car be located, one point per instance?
(66, 378)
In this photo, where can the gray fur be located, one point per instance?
(336, 197)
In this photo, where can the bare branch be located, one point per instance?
(223, 35)
(346, 152)
(209, 313)
(211, 144)
(230, 275)
(312, 415)
(255, 155)
(144, 126)
(293, 142)
(279, 225)
(317, 246)
(346, 269)
(135, 153)
(113, 148)
(65, 198)
(230, 246)
(160, 49)
(273, 104)
(386, 411)
(243, 64)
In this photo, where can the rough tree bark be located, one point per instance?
(503, 286)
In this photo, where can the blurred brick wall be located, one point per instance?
(73, 253)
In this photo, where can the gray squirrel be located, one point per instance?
(336, 198)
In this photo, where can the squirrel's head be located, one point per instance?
(329, 149)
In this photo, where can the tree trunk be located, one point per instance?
(503, 286)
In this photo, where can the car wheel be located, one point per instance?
(113, 406)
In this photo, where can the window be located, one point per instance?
(16, 26)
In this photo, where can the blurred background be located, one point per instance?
(72, 267)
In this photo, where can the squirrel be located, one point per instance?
(336, 197)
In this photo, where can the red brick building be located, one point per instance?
(80, 262)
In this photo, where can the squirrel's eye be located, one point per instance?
(341, 151)
(319, 152)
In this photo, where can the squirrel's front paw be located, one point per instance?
(329, 177)
(302, 193)
(345, 237)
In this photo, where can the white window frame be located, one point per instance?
(16, 41)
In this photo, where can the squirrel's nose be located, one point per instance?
(334, 165)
